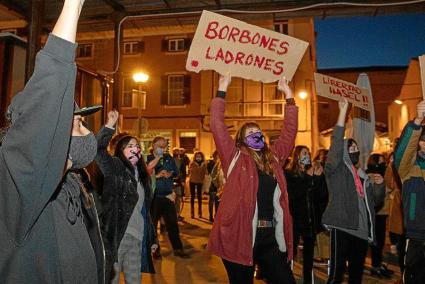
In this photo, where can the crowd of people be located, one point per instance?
(265, 199)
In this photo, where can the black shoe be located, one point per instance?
(389, 271)
(181, 253)
(379, 272)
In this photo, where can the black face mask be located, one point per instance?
(82, 150)
(354, 157)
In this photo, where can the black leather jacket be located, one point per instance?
(119, 199)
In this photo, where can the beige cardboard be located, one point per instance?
(422, 67)
(231, 46)
(337, 89)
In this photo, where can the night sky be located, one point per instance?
(390, 40)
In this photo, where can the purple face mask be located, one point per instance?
(255, 140)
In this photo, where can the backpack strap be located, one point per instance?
(233, 162)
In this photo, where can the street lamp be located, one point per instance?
(303, 95)
(140, 78)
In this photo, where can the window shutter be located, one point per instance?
(141, 46)
(164, 46)
(164, 90)
(187, 43)
(186, 90)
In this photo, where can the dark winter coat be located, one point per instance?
(308, 197)
(343, 208)
(119, 199)
(411, 168)
(33, 155)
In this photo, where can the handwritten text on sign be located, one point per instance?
(230, 46)
(337, 89)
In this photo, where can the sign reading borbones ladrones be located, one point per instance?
(231, 46)
(337, 89)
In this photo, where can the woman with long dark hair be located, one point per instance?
(307, 200)
(127, 229)
(253, 224)
(198, 170)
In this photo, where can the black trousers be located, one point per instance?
(308, 254)
(272, 262)
(195, 187)
(346, 247)
(213, 201)
(378, 248)
(414, 272)
(400, 242)
(165, 208)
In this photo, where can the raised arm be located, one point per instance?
(103, 159)
(225, 144)
(405, 154)
(336, 151)
(34, 150)
(285, 143)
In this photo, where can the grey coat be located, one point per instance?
(34, 248)
(343, 208)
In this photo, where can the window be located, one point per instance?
(175, 45)
(281, 27)
(127, 94)
(132, 96)
(175, 90)
(187, 140)
(251, 98)
(85, 50)
(133, 47)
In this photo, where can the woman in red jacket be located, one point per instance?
(253, 222)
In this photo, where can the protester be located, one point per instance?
(322, 239)
(179, 181)
(376, 165)
(350, 213)
(253, 223)
(307, 201)
(395, 222)
(164, 170)
(127, 228)
(198, 170)
(217, 182)
(409, 159)
(43, 236)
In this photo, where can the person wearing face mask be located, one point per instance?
(42, 230)
(376, 165)
(350, 214)
(307, 197)
(253, 224)
(126, 224)
(164, 169)
(198, 169)
(409, 160)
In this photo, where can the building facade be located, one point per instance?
(174, 103)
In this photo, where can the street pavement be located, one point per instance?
(203, 267)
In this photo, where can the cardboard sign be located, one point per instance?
(230, 46)
(422, 67)
(337, 89)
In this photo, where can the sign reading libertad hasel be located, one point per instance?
(231, 46)
(337, 89)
